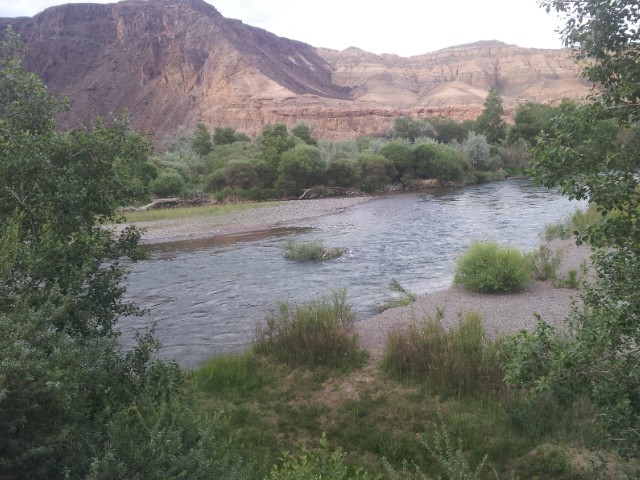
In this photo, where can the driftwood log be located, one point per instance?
(157, 203)
(318, 192)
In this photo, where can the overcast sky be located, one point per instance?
(403, 27)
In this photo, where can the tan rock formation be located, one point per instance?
(174, 63)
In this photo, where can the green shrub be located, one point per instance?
(167, 184)
(316, 465)
(316, 334)
(458, 362)
(488, 268)
(545, 263)
(310, 251)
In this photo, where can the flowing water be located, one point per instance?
(206, 296)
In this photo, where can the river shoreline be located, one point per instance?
(291, 213)
(507, 313)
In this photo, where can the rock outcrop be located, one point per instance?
(174, 63)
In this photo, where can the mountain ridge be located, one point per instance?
(173, 63)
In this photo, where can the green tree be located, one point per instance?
(406, 127)
(476, 151)
(168, 184)
(227, 136)
(490, 122)
(401, 155)
(301, 167)
(530, 120)
(303, 132)
(589, 160)
(448, 130)
(343, 171)
(201, 142)
(275, 140)
(67, 390)
(377, 171)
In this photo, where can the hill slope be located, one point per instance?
(173, 63)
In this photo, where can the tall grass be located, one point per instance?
(458, 362)
(310, 251)
(578, 222)
(404, 296)
(232, 375)
(488, 268)
(545, 263)
(316, 334)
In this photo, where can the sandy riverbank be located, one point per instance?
(504, 313)
(291, 213)
(501, 313)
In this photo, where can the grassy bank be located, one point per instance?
(191, 212)
(401, 419)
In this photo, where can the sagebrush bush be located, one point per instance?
(545, 263)
(488, 268)
(319, 333)
(461, 361)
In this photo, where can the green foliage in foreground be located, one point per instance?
(488, 268)
(73, 404)
(319, 333)
(590, 152)
(310, 251)
(461, 361)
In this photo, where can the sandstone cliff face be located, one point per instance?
(171, 63)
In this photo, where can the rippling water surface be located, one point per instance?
(207, 295)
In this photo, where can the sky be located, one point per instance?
(402, 27)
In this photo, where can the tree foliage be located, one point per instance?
(201, 142)
(69, 395)
(301, 167)
(590, 152)
(490, 122)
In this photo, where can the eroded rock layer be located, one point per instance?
(173, 63)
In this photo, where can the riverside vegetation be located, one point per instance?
(541, 404)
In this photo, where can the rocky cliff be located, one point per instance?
(177, 62)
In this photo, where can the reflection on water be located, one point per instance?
(207, 295)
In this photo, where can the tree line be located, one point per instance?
(282, 162)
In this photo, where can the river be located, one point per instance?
(206, 296)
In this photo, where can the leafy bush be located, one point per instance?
(377, 171)
(319, 333)
(488, 268)
(457, 362)
(299, 168)
(316, 465)
(310, 251)
(168, 184)
(343, 172)
(545, 263)
(476, 151)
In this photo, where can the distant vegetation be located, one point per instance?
(282, 162)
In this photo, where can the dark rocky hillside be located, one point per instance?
(177, 62)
